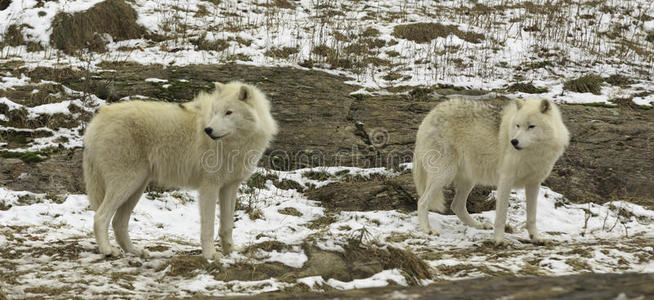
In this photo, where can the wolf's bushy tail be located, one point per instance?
(94, 182)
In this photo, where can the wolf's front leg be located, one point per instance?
(208, 198)
(501, 209)
(227, 205)
(531, 193)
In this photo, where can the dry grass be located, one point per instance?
(203, 44)
(202, 11)
(317, 175)
(14, 36)
(321, 222)
(650, 37)
(528, 88)
(25, 95)
(184, 266)
(279, 4)
(618, 80)
(83, 30)
(589, 83)
(405, 260)
(280, 53)
(426, 32)
(333, 57)
(291, 211)
(267, 246)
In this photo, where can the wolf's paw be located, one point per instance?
(237, 248)
(501, 242)
(536, 239)
(218, 256)
(214, 256)
(429, 230)
(142, 253)
(482, 225)
(229, 247)
(110, 251)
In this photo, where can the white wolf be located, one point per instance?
(470, 142)
(210, 144)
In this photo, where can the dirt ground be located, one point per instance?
(587, 286)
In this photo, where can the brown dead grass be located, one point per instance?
(291, 211)
(526, 87)
(203, 44)
(255, 272)
(280, 53)
(47, 290)
(287, 184)
(55, 74)
(46, 93)
(425, 32)
(279, 4)
(14, 36)
(408, 262)
(322, 222)
(618, 80)
(82, 30)
(590, 83)
(184, 266)
(267, 246)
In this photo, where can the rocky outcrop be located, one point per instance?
(322, 124)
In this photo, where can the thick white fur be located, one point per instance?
(468, 142)
(129, 144)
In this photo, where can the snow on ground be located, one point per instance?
(540, 41)
(584, 238)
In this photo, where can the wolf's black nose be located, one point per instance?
(208, 130)
(514, 142)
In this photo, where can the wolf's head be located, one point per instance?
(235, 110)
(536, 123)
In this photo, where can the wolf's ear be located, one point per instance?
(518, 103)
(244, 93)
(545, 105)
(219, 86)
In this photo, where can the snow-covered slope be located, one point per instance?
(489, 45)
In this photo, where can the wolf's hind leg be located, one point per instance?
(458, 206)
(120, 222)
(117, 193)
(436, 204)
(432, 189)
(432, 197)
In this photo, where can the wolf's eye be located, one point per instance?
(531, 126)
(229, 112)
(517, 125)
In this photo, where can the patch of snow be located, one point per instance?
(156, 80)
(380, 279)
(649, 25)
(291, 259)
